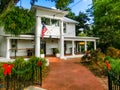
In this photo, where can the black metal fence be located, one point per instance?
(113, 81)
(18, 80)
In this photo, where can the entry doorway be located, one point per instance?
(43, 46)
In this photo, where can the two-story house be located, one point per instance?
(60, 34)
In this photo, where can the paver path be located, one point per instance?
(69, 75)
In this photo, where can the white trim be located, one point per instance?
(85, 45)
(80, 38)
(8, 49)
(94, 45)
(37, 37)
(50, 10)
(61, 40)
(73, 47)
(31, 37)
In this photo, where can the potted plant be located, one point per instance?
(42, 55)
(57, 53)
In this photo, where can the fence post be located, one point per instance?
(40, 75)
(32, 74)
(109, 81)
(7, 80)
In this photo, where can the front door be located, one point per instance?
(43, 46)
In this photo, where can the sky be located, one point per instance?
(76, 7)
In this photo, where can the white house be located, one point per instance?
(60, 34)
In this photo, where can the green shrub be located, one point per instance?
(22, 67)
(34, 61)
(115, 64)
(41, 51)
(1, 72)
(57, 50)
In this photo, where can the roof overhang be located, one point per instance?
(57, 11)
(81, 38)
(68, 20)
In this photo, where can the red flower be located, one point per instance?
(7, 69)
(108, 65)
(39, 63)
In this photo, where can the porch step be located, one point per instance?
(34, 88)
(53, 59)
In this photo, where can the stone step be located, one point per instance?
(53, 59)
(34, 88)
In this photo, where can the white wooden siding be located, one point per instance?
(70, 30)
(50, 44)
(22, 44)
(52, 31)
(3, 45)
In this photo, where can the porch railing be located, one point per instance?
(28, 52)
(113, 81)
(18, 80)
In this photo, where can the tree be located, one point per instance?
(5, 6)
(107, 21)
(70, 14)
(62, 4)
(82, 18)
(18, 20)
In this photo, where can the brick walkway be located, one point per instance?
(70, 75)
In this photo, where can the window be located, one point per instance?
(64, 27)
(54, 22)
(46, 21)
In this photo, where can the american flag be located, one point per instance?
(44, 29)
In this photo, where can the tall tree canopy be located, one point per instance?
(70, 14)
(18, 20)
(6, 5)
(107, 21)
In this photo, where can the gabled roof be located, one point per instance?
(65, 19)
(49, 9)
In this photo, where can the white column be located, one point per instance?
(37, 36)
(85, 46)
(8, 49)
(95, 45)
(73, 47)
(61, 40)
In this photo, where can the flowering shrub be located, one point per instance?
(114, 64)
(94, 56)
(113, 52)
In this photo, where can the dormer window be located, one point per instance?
(46, 21)
(49, 21)
(54, 22)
